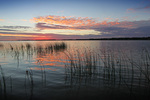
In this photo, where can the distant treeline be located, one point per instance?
(124, 38)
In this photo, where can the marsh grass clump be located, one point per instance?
(82, 63)
(39, 49)
(1, 45)
(59, 46)
(115, 69)
(28, 46)
(144, 64)
(28, 49)
(50, 48)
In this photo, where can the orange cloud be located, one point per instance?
(2, 20)
(69, 22)
(19, 35)
(65, 20)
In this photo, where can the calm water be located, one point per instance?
(32, 70)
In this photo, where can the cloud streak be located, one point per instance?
(125, 32)
(39, 36)
(15, 27)
(23, 36)
(145, 6)
(18, 35)
(2, 20)
(6, 30)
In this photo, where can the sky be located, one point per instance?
(73, 19)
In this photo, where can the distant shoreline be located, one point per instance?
(125, 38)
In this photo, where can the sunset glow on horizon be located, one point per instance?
(75, 19)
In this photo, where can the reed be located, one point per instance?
(1, 45)
(43, 72)
(82, 63)
(3, 82)
(29, 78)
(29, 75)
(18, 51)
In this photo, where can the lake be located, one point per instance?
(75, 70)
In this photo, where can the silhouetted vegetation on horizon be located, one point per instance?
(121, 38)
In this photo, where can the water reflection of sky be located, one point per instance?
(59, 58)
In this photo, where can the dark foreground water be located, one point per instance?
(75, 70)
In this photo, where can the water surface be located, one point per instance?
(77, 70)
